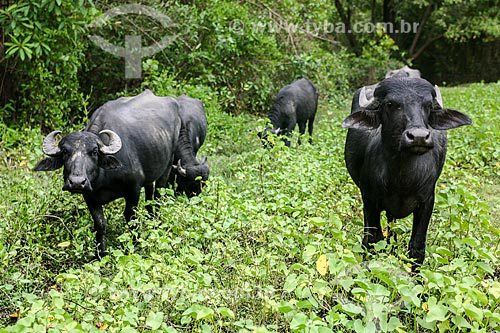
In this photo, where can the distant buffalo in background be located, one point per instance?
(188, 173)
(395, 151)
(294, 104)
(128, 144)
(404, 72)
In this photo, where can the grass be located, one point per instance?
(272, 244)
(491, 195)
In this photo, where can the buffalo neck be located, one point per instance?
(407, 171)
(184, 150)
(274, 117)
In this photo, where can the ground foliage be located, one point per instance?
(272, 244)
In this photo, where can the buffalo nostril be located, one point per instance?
(418, 134)
(77, 182)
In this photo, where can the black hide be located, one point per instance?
(395, 151)
(188, 173)
(148, 127)
(294, 104)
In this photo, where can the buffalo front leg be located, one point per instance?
(421, 218)
(99, 226)
(373, 229)
(131, 202)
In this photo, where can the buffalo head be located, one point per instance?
(81, 154)
(264, 136)
(409, 110)
(190, 177)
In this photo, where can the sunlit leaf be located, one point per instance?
(322, 264)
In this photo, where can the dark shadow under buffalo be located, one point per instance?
(395, 151)
(295, 104)
(128, 144)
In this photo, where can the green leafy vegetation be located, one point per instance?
(271, 245)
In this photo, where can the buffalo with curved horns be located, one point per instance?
(395, 151)
(128, 144)
(188, 173)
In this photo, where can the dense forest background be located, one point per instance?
(53, 75)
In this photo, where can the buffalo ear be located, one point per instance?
(443, 119)
(109, 162)
(49, 164)
(362, 120)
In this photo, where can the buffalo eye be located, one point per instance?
(95, 151)
(392, 105)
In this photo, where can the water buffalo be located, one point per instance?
(395, 151)
(188, 172)
(128, 144)
(295, 104)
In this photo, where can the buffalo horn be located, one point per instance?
(363, 100)
(49, 145)
(439, 98)
(114, 145)
(180, 169)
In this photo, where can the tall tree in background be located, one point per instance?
(455, 21)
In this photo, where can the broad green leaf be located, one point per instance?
(154, 320)
(58, 302)
(291, 283)
(474, 312)
(318, 221)
(393, 324)
(304, 304)
(285, 307)
(128, 330)
(437, 312)
(226, 312)
(352, 309)
(299, 321)
(461, 322)
(472, 242)
(494, 290)
(204, 313)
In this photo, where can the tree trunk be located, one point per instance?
(411, 52)
(345, 16)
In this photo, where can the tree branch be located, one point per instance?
(426, 45)
(345, 16)
(425, 18)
